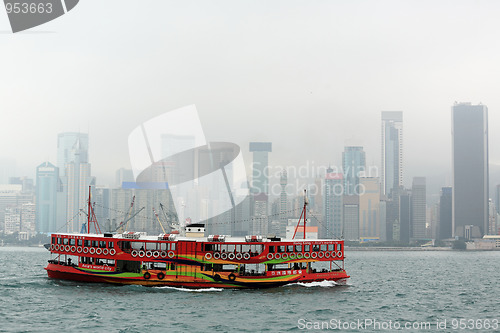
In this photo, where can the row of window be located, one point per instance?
(82, 242)
(307, 248)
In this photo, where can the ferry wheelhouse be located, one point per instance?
(193, 260)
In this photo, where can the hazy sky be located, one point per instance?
(309, 76)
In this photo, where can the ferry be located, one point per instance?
(191, 260)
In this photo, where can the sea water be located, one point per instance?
(387, 291)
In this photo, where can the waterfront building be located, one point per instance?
(418, 208)
(445, 213)
(351, 217)
(392, 152)
(353, 165)
(470, 170)
(334, 193)
(47, 186)
(405, 216)
(369, 212)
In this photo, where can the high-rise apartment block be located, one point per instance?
(470, 169)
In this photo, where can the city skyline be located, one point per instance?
(317, 88)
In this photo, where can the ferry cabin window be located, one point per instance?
(271, 249)
(245, 248)
(307, 248)
(339, 247)
(298, 248)
(172, 246)
(315, 247)
(86, 243)
(59, 241)
(65, 241)
(323, 247)
(289, 248)
(238, 247)
(281, 248)
(72, 241)
(331, 247)
(163, 247)
(102, 244)
(256, 249)
(111, 245)
(79, 242)
(230, 248)
(209, 247)
(53, 240)
(94, 243)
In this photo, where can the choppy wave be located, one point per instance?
(324, 284)
(200, 290)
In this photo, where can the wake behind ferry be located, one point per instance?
(193, 260)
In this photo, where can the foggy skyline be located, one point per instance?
(310, 77)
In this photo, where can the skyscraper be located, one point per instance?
(392, 152)
(353, 163)
(47, 181)
(470, 169)
(283, 202)
(369, 213)
(72, 153)
(260, 187)
(418, 208)
(445, 213)
(333, 205)
(65, 152)
(260, 177)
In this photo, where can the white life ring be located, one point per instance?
(105, 252)
(246, 256)
(73, 248)
(156, 254)
(307, 255)
(163, 254)
(277, 256)
(223, 256)
(92, 250)
(112, 252)
(321, 255)
(300, 255)
(67, 248)
(52, 247)
(216, 255)
(85, 250)
(314, 255)
(208, 256)
(79, 249)
(334, 254)
(270, 256)
(141, 253)
(327, 254)
(56, 247)
(171, 254)
(239, 256)
(284, 256)
(231, 256)
(98, 251)
(339, 254)
(149, 254)
(292, 255)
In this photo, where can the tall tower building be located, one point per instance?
(392, 153)
(47, 181)
(369, 212)
(76, 176)
(65, 152)
(470, 169)
(418, 208)
(283, 202)
(353, 163)
(333, 205)
(260, 177)
(445, 213)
